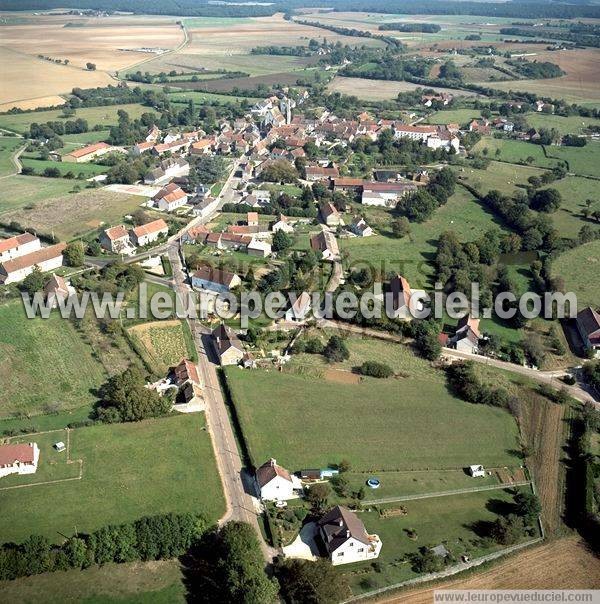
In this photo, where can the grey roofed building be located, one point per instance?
(440, 550)
(338, 525)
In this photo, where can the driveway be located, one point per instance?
(304, 546)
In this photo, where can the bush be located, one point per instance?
(375, 369)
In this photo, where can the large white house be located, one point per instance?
(46, 259)
(345, 537)
(170, 198)
(19, 459)
(276, 483)
(19, 245)
(149, 232)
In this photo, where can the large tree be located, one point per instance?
(306, 582)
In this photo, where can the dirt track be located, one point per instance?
(562, 564)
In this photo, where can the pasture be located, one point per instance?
(87, 169)
(8, 147)
(573, 124)
(574, 190)
(413, 255)
(580, 160)
(580, 269)
(95, 116)
(45, 363)
(408, 422)
(454, 116)
(21, 191)
(75, 214)
(514, 152)
(128, 472)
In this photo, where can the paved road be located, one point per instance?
(236, 480)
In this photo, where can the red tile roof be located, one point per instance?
(11, 453)
(150, 227)
(87, 150)
(37, 257)
(16, 241)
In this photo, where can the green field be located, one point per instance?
(574, 124)
(129, 470)
(106, 116)
(306, 419)
(581, 160)
(202, 97)
(8, 147)
(413, 255)
(453, 521)
(515, 152)
(19, 191)
(574, 191)
(158, 582)
(87, 169)
(580, 268)
(72, 141)
(454, 116)
(506, 178)
(199, 22)
(44, 362)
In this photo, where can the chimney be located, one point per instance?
(272, 462)
(347, 534)
(341, 522)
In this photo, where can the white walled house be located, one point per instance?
(18, 246)
(46, 259)
(149, 232)
(477, 471)
(227, 345)
(116, 240)
(276, 483)
(300, 309)
(19, 459)
(170, 198)
(345, 537)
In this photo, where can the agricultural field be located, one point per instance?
(380, 90)
(580, 160)
(454, 116)
(201, 97)
(8, 147)
(127, 473)
(73, 141)
(95, 116)
(280, 419)
(21, 191)
(575, 191)
(457, 521)
(413, 255)
(45, 364)
(159, 582)
(163, 342)
(88, 169)
(73, 215)
(580, 269)
(514, 152)
(573, 124)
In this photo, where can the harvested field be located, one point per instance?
(377, 90)
(580, 83)
(542, 423)
(563, 564)
(77, 214)
(341, 377)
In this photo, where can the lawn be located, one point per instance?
(413, 255)
(454, 116)
(506, 178)
(19, 191)
(580, 269)
(105, 116)
(73, 215)
(129, 470)
(45, 362)
(8, 147)
(515, 152)
(87, 169)
(458, 522)
(307, 418)
(574, 124)
(581, 160)
(158, 582)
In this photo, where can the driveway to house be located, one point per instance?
(304, 546)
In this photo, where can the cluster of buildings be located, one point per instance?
(120, 240)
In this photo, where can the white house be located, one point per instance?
(215, 280)
(19, 459)
(300, 309)
(149, 232)
(170, 198)
(345, 537)
(116, 240)
(466, 338)
(282, 225)
(476, 471)
(444, 141)
(46, 259)
(326, 243)
(360, 228)
(259, 248)
(276, 483)
(227, 345)
(18, 246)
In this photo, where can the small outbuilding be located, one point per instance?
(476, 471)
(60, 446)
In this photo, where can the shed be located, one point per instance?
(310, 474)
(476, 471)
(60, 446)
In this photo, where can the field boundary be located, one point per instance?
(69, 461)
(491, 487)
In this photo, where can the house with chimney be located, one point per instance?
(19, 459)
(467, 336)
(275, 483)
(19, 245)
(215, 280)
(588, 326)
(345, 537)
(149, 233)
(169, 198)
(227, 345)
(116, 240)
(46, 259)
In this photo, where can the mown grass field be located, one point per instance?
(457, 521)
(454, 116)
(513, 151)
(580, 268)
(573, 124)
(581, 160)
(305, 419)
(413, 255)
(574, 191)
(159, 582)
(105, 116)
(19, 191)
(44, 362)
(73, 141)
(129, 470)
(73, 214)
(87, 169)
(8, 147)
